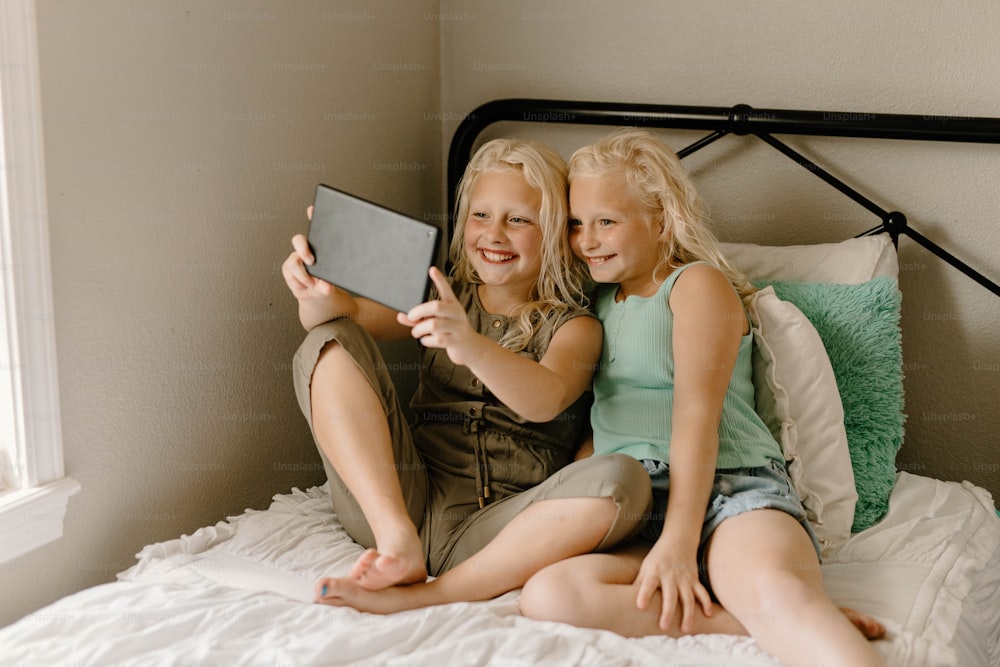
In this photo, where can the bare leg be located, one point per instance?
(351, 429)
(544, 533)
(597, 591)
(764, 570)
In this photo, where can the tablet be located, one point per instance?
(370, 250)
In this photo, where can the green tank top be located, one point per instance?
(634, 386)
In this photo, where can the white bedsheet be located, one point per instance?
(238, 593)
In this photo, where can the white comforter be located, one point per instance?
(238, 593)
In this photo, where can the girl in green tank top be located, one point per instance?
(728, 552)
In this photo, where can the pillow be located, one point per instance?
(827, 490)
(852, 261)
(796, 396)
(859, 327)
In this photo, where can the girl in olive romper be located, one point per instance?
(489, 490)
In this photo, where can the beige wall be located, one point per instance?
(184, 139)
(896, 57)
(183, 143)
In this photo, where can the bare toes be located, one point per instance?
(332, 591)
(866, 625)
(364, 563)
(388, 571)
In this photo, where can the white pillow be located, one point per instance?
(849, 262)
(796, 395)
(796, 391)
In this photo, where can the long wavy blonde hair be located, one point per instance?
(659, 182)
(559, 287)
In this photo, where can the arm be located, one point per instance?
(537, 391)
(708, 323)
(320, 302)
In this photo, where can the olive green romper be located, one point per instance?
(469, 463)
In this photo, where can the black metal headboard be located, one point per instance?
(742, 120)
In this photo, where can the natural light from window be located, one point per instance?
(34, 490)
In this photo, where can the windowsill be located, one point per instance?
(30, 518)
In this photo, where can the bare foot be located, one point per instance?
(374, 571)
(867, 625)
(346, 592)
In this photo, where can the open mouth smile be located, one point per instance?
(598, 260)
(494, 257)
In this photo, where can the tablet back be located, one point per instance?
(370, 250)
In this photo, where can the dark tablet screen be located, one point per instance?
(371, 250)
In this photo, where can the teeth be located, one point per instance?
(496, 256)
(598, 260)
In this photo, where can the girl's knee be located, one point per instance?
(632, 496)
(341, 351)
(344, 335)
(622, 478)
(549, 595)
(633, 482)
(330, 353)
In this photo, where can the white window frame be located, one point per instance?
(34, 498)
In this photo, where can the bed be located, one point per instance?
(920, 554)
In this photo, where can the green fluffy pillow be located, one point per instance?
(859, 326)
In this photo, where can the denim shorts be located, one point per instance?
(734, 492)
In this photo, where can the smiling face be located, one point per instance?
(503, 238)
(610, 233)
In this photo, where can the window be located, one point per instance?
(33, 489)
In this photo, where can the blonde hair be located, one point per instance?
(656, 179)
(559, 287)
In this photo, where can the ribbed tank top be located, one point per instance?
(634, 386)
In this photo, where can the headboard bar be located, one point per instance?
(701, 143)
(824, 175)
(740, 119)
(951, 259)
